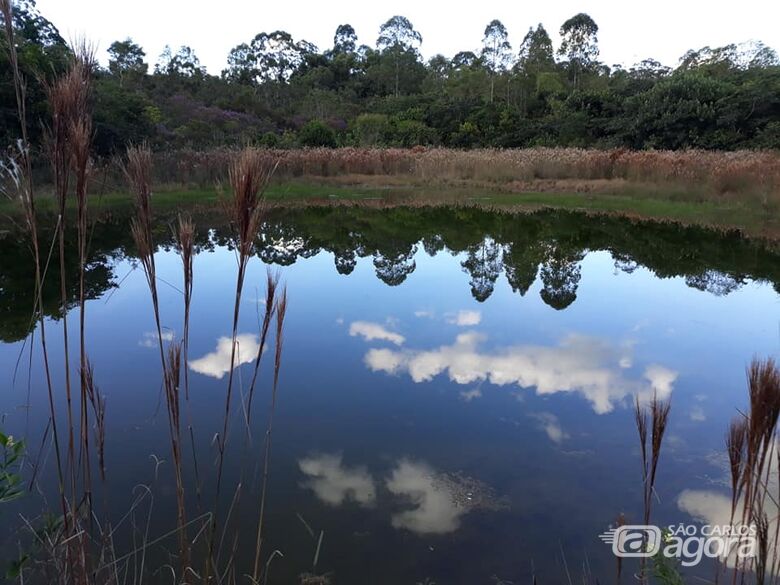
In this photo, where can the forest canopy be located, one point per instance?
(283, 92)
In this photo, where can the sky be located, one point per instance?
(628, 31)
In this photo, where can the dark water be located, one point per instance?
(455, 397)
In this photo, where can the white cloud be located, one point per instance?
(550, 424)
(424, 314)
(465, 318)
(697, 414)
(714, 508)
(334, 483)
(217, 363)
(373, 331)
(469, 395)
(435, 511)
(580, 364)
(150, 338)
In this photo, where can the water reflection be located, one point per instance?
(550, 424)
(434, 508)
(464, 318)
(422, 499)
(586, 365)
(334, 483)
(217, 363)
(543, 439)
(545, 246)
(375, 331)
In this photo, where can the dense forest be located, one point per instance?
(281, 92)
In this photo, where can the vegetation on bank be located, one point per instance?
(282, 92)
(751, 221)
(739, 189)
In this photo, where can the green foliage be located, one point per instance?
(317, 133)
(718, 98)
(10, 481)
(126, 58)
(666, 571)
(409, 133)
(122, 116)
(371, 129)
(682, 111)
(270, 140)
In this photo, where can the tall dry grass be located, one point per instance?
(707, 173)
(651, 421)
(18, 176)
(138, 170)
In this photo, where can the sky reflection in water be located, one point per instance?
(441, 406)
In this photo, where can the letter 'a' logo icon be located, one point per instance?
(633, 540)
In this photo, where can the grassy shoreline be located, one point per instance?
(595, 197)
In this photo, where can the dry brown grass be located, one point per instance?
(711, 174)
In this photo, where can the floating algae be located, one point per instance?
(468, 492)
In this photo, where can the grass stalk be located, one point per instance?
(653, 418)
(138, 171)
(249, 176)
(281, 311)
(22, 180)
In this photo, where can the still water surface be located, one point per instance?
(456, 388)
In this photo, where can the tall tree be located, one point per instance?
(183, 63)
(345, 39)
(579, 44)
(496, 51)
(536, 52)
(272, 57)
(126, 58)
(396, 37)
(32, 27)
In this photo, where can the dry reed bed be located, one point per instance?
(743, 172)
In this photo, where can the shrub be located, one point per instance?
(410, 133)
(317, 133)
(371, 129)
(270, 140)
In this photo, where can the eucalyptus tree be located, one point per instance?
(397, 37)
(126, 58)
(345, 39)
(269, 57)
(536, 53)
(579, 44)
(183, 63)
(496, 51)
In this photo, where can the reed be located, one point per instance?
(764, 397)
(138, 171)
(710, 175)
(98, 403)
(20, 176)
(271, 284)
(281, 311)
(185, 240)
(184, 236)
(735, 447)
(653, 418)
(249, 175)
(80, 138)
(751, 444)
(68, 98)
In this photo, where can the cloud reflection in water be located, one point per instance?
(582, 364)
(217, 363)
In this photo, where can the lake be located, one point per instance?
(456, 389)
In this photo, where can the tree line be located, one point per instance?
(281, 92)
